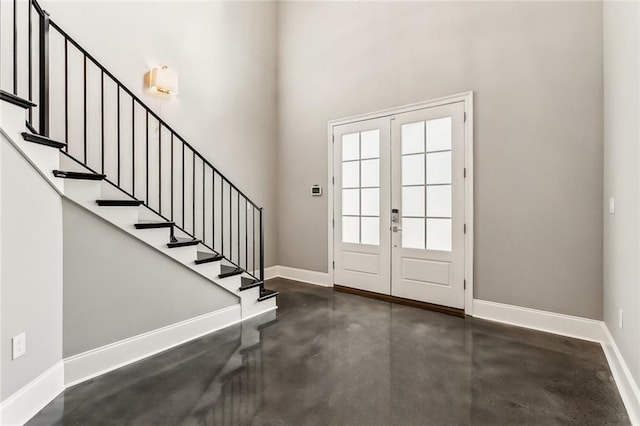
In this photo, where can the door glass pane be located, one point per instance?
(350, 229)
(351, 146)
(351, 202)
(370, 173)
(439, 167)
(370, 202)
(413, 201)
(370, 144)
(413, 233)
(439, 134)
(412, 138)
(439, 234)
(370, 230)
(413, 169)
(439, 201)
(351, 174)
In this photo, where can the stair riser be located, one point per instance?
(84, 192)
(156, 237)
(230, 283)
(120, 216)
(210, 270)
(251, 306)
(184, 254)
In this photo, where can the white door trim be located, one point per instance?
(467, 98)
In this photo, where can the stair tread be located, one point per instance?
(42, 140)
(248, 283)
(121, 203)
(204, 257)
(229, 271)
(16, 100)
(78, 175)
(183, 242)
(267, 294)
(151, 224)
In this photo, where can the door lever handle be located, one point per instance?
(396, 229)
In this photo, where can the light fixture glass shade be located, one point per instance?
(164, 80)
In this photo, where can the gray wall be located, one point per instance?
(225, 57)
(536, 70)
(30, 271)
(622, 177)
(117, 287)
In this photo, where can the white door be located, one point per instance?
(428, 192)
(399, 205)
(362, 199)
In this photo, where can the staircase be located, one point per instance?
(100, 146)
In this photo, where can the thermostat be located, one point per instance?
(316, 190)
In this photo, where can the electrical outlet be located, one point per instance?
(612, 205)
(620, 323)
(19, 345)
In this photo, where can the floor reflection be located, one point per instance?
(338, 359)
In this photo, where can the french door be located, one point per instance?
(399, 205)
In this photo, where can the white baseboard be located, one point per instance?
(550, 322)
(302, 275)
(33, 397)
(87, 365)
(625, 382)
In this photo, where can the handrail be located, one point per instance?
(232, 223)
(145, 106)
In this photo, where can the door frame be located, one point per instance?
(467, 99)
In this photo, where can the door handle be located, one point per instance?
(396, 229)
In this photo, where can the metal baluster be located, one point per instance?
(118, 129)
(15, 47)
(193, 193)
(66, 94)
(204, 233)
(102, 122)
(172, 176)
(133, 146)
(160, 167)
(85, 106)
(147, 159)
(43, 104)
(30, 63)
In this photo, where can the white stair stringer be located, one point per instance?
(85, 193)
(45, 159)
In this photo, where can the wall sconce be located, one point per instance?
(163, 80)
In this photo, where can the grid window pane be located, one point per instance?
(439, 201)
(439, 134)
(412, 137)
(370, 202)
(350, 229)
(370, 230)
(413, 233)
(413, 201)
(370, 173)
(351, 146)
(439, 168)
(351, 174)
(413, 169)
(370, 144)
(439, 234)
(351, 202)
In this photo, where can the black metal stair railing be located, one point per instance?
(110, 130)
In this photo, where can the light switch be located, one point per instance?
(612, 205)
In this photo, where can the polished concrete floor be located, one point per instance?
(330, 358)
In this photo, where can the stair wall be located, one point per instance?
(121, 288)
(30, 265)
